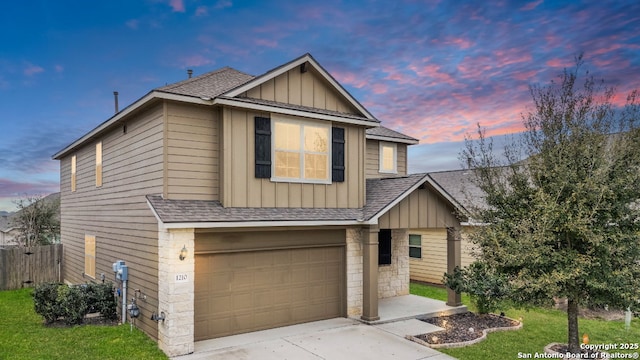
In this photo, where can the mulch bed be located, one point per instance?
(90, 319)
(463, 327)
(585, 354)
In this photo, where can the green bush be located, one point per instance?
(101, 299)
(488, 290)
(73, 304)
(53, 300)
(45, 297)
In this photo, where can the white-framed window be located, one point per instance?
(388, 157)
(301, 151)
(90, 256)
(415, 246)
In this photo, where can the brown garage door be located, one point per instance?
(255, 290)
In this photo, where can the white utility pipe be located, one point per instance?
(124, 301)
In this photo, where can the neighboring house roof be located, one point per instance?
(458, 185)
(382, 195)
(225, 87)
(386, 134)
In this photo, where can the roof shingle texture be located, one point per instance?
(209, 85)
(386, 132)
(380, 194)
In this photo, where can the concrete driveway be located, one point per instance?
(338, 338)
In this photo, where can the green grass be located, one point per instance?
(540, 327)
(23, 336)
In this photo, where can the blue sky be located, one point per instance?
(431, 69)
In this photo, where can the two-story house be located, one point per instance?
(242, 203)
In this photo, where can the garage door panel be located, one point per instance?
(249, 291)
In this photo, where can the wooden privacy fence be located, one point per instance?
(28, 266)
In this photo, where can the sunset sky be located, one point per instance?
(430, 69)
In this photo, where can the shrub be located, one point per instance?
(45, 297)
(73, 304)
(101, 299)
(53, 300)
(487, 289)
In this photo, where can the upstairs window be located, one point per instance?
(73, 173)
(301, 151)
(99, 164)
(388, 157)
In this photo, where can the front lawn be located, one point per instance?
(540, 327)
(23, 336)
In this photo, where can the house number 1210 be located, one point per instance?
(181, 278)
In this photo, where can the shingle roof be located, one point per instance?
(210, 84)
(380, 194)
(386, 132)
(459, 185)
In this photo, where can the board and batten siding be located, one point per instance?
(373, 160)
(117, 213)
(421, 209)
(242, 189)
(306, 89)
(192, 152)
(433, 264)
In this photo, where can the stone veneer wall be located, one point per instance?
(354, 271)
(176, 293)
(393, 280)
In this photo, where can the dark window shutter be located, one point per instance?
(263, 147)
(384, 247)
(337, 154)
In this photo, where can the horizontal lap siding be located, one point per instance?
(192, 152)
(243, 189)
(433, 264)
(117, 213)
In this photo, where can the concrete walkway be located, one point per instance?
(339, 338)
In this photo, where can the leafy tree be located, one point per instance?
(37, 220)
(562, 211)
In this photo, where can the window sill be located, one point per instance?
(300, 181)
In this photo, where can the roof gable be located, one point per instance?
(306, 62)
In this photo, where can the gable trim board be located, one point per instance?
(392, 139)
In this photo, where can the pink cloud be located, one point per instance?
(350, 78)
(511, 56)
(379, 88)
(525, 75)
(432, 71)
(561, 63)
(177, 5)
(460, 42)
(531, 5)
(31, 70)
(58, 68)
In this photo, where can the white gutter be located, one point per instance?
(392, 139)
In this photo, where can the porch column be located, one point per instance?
(370, 275)
(176, 291)
(453, 260)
